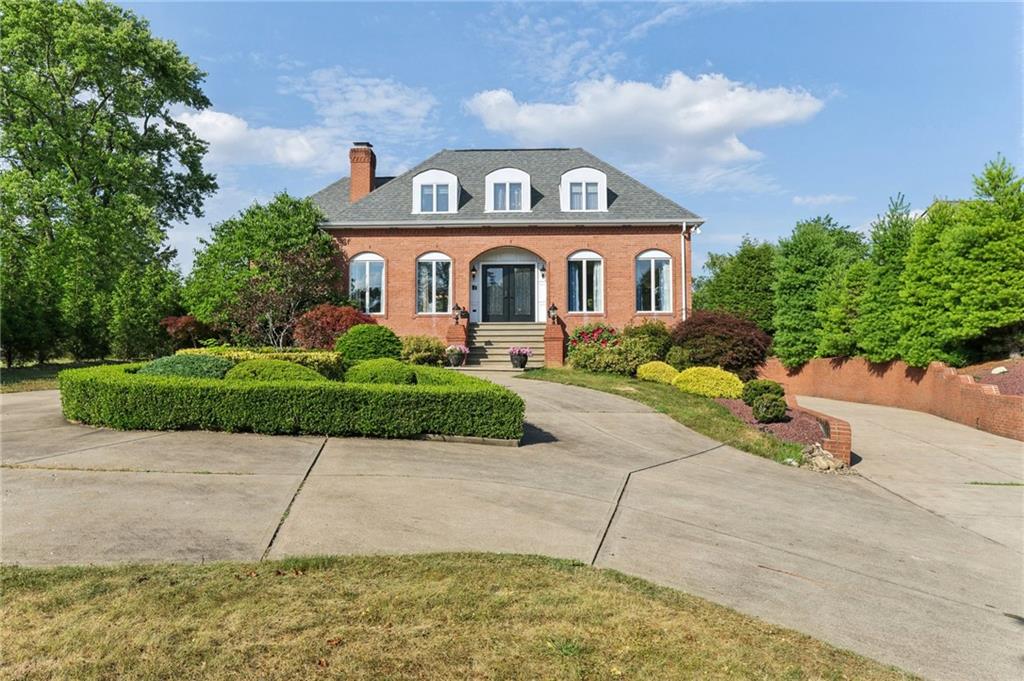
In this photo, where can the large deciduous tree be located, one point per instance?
(807, 260)
(95, 166)
(740, 283)
(226, 264)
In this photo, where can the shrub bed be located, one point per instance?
(271, 370)
(709, 382)
(444, 403)
(329, 364)
(724, 340)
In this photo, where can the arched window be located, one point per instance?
(507, 190)
(366, 282)
(433, 283)
(586, 282)
(654, 282)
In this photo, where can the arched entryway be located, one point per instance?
(508, 284)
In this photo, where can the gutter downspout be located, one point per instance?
(682, 268)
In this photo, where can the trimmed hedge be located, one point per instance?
(444, 403)
(381, 370)
(761, 386)
(329, 364)
(769, 409)
(188, 366)
(659, 372)
(709, 382)
(271, 370)
(368, 341)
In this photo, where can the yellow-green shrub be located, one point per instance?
(658, 372)
(709, 382)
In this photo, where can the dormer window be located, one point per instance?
(434, 198)
(507, 191)
(584, 189)
(435, 191)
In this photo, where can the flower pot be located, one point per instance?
(519, 361)
(456, 360)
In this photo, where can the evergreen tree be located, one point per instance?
(740, 283)
(840, 300)
(805, 262)
(877, 327)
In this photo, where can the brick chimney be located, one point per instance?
(364, 170)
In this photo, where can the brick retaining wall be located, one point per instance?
(937, 390)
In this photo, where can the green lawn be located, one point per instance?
(446, 616)
(703, 415)
(41, 376)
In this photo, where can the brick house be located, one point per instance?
(497, 247)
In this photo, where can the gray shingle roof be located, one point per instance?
(629, 201)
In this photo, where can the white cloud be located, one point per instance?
(821, 199)
(665, 16)
(348, 108)
(683, 127)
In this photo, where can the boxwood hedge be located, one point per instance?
(271, 370)
(330, 364)
(443, 402)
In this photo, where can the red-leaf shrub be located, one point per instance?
(321, 326)
(596, 333)
(723, 340)
(185, 331)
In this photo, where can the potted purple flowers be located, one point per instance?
(519, 356)
(456, 355)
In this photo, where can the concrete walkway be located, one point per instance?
(967, 476)
(601, 479)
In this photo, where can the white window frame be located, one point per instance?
(652, 255)
(507, 176)
(432, 178)
(433, 258)
(583, 177)
(585, 257)
(368, 257)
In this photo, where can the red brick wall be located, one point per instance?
(937, 390)
(617, 245)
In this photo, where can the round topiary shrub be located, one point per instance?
(761, 386)
(709, 382)
(659, 372)
(724, 340)
(369, 341)
(190, 366)
(425, 350)
(320, 327)
(381, 371)
(769, 409)
(272, 370)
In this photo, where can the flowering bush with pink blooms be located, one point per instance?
(597, 334)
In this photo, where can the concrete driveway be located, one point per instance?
(601, 479)
(967, 476)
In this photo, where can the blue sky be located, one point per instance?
(753, 115)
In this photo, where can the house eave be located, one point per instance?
(413, 224)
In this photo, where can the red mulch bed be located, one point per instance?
(800, 428)
(1010, 383)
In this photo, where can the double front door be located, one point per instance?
(508, 294)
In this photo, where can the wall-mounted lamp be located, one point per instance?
(472, 271)
(552, 312)
(543, 268)
(456, 313)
